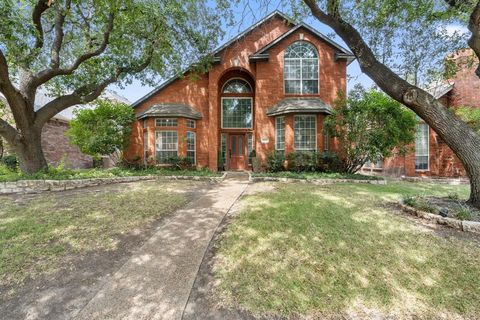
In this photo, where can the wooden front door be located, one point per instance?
(236, 152)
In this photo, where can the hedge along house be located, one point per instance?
(269, 89)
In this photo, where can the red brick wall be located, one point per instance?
(57, 147)
(267, 78)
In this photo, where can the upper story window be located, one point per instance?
(301, 68)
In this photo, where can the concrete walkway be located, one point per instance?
(156, 281)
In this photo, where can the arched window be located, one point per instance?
(237, 86)
(237, 101)
(301, 68)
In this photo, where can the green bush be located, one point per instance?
(329, 162)
(302, 161)
(10, 161)
(276, 161)
(179, 163)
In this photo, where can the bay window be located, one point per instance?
(305, 132)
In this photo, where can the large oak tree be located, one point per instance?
(369, 25)
(74, 49)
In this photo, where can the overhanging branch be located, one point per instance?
(87, 93)
(40, 8)
(47, 74)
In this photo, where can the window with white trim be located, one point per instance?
(166, 145)
(190, 123)
(301, 68)
(145, 123)
(191, 142)
(166, 122)
(422, 146)
(305, 132)
(280, 133)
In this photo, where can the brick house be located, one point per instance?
(430, 156)
(268, 89)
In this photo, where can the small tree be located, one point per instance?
(104, 130)
(369, 125)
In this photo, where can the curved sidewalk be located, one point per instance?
(156, 281)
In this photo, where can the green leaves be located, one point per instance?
(103, 130)
(370, 125)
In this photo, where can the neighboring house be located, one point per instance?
(430, 156)
(269, 89)
(56, 145)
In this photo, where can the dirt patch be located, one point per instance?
(61, 294)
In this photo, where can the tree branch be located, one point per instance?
(57, 43)
(8, 132)
(40, 8)
(47, 74)
(85, 94)
(474, 27)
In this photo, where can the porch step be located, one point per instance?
(237, 175)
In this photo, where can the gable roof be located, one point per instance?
(341, 52)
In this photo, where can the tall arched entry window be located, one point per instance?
(301, 68)
(236, 123)
(237, 101)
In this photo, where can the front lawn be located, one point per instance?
(69, 174)
(315, 175)
(39, 232)
(343, 251)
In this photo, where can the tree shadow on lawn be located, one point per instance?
(337, 250)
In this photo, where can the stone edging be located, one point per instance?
(463, 225)
(37, 186)
(315, 181)
(449, 181)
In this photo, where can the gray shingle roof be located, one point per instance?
(171, 110)
(299, 105)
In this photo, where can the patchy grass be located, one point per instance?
(339, 251)
(315, 175)
(38, 231)
(70, 174)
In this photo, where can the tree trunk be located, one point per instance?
(30, 154)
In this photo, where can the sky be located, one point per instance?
(245, 17)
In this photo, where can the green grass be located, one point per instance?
(315, 175)
(38, 231)
(69, 174)
(340, 251)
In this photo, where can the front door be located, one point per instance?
(236, 152)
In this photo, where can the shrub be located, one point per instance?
(180, 163)
(10, 161)
(276, 162)
(302, 161)
(329, 162)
